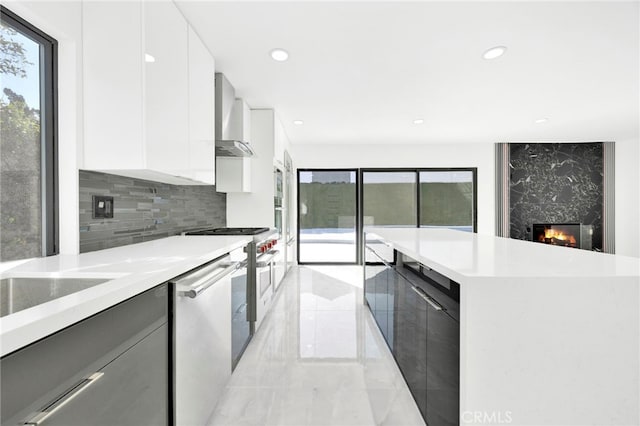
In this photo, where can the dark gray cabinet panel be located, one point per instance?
(379, 294)
(132, 391)
(443, 368)
(410, 345)
(42, 372)
(413, 316)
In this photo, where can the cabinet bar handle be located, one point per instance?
(195, 289)
(62, 400)
(435, 305)
(264, 260)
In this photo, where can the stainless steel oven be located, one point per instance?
(261, 252)
(278, 195)
(265, 283)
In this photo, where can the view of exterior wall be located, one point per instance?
(556, 183)
(446, 204)
(327, 205)
(441, 204)
(144, 210)
(390, 203)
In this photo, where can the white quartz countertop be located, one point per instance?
(464, 256)
(130, 269)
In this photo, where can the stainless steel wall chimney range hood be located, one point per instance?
(229, 122)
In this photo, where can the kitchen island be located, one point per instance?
(547, 335)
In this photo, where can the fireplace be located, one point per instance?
(563, 234)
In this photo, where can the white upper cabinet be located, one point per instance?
(166, 96)
(113, 69)
(149, 93)
(201, 111)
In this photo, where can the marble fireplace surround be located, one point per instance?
(554, 183)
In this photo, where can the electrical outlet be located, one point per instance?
(102, 207)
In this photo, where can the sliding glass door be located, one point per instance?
(327, 216)
(336, 206)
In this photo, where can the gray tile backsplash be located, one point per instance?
(144, 210)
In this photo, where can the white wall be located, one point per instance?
(63, 21)
(395, 155)
(628, 197)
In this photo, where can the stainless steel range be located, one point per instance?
(261, 253)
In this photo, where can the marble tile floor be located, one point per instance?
(317, 359)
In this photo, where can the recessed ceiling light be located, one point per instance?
(494, 52)
(541, 120)
(149, 58)
(298, 122)
(418, 121)
(279, 55)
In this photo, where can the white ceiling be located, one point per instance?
(361, 72)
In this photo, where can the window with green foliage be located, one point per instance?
(28, 178)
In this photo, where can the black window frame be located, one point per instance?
(48, 126)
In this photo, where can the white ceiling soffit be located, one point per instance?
(362, 72)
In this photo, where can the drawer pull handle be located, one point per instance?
(206, 281)
(62, 400)
(435, 305)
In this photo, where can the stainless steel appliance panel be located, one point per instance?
(264, 285)
(202, 339)
(240, 321)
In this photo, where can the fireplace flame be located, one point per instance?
(552, 234)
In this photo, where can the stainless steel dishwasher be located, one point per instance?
(202, 337)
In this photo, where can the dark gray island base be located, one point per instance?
(418, 313)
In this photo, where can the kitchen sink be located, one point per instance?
(20, 293)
